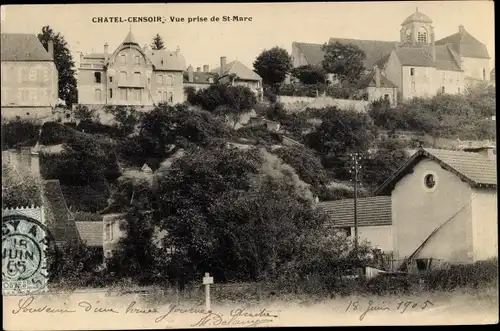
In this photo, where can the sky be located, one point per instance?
(272, 24)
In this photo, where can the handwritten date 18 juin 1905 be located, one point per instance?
(399, 306)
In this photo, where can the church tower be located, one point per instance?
(417, 30)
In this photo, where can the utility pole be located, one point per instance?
(355, 171)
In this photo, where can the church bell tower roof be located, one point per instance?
(417, 17)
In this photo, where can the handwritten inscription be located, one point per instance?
(401, 307)
(237, 317)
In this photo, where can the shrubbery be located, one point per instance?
(54, 133)
(19, 133)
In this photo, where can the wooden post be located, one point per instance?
(207, 280)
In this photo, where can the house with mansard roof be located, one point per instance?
(29, 77)
(417, 64)
(131, 75)
(444, 207)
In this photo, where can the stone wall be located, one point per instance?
(297, 104)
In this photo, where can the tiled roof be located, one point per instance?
(313, 53)
(166, 60)
(466, 45)
(417, 57)
(199, 77)
(368, 80)
(240, 70)
(61, 222)
(374, 49)
(371, 211)
(87, 217)
(91, 233)
(130, 39)
(417, 17)
(94, 56)
(472, 167)
(22, 47)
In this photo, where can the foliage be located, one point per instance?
(64, 64)
(83, 113)
(54, 133)
(19, 190)
(91, 127)
(85, 159)
(19, 133)
(307, 165)
(224, 99)
(135, 254)
(340, 133)
(344, 60)
(260, 134)
(157, 43)
(273, 65)
(388, 157)
(165, 127)
(126, 118)
(309, 74)
(270, 94)
(87, 198)
(482, 99)
(133, 189)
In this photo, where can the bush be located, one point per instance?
(261, 134)
(54, 133)
(86, 198)
(91, 127)
(19, 133)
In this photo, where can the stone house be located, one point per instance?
(131, 76)
(29, 77)
(238, 74)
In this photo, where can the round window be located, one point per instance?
(429, 181)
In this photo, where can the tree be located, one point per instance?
(309, 74)
(19, 190)
(273, 65)
(341, 132)
(344, 60)
(64, 64)
(157, 43)
(235, 99)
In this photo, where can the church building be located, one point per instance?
(418, 65)
(131, 76)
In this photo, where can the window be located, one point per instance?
(422, 36)
(123, 77)
(170, 80)
(137, 77)
(386, 97)
(109, 232)
(159, 79)
(98, 94)
(412, 71)
(137, 60)
(111, 93)
(123, 59)
(32, 75)
(138, 94)
(160, 95)
(459, 90)
(484, 74)
(97, 77)
(413, 88)
(170, 97)
(429, 181)
(111, 79)
(123, 94)
(164, 97)
(442, 89)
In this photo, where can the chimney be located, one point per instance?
(106, 47)
(190, 74)
(144, 48)
(50, 48)
(177, 50)
(222, 65)
(198, 69)
(433, 47)
(377, 77)
(205, 68)
(461, 29)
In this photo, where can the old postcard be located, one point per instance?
(248, 165)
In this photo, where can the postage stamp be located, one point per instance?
(24, 255)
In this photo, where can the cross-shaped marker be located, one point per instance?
(207, 280)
